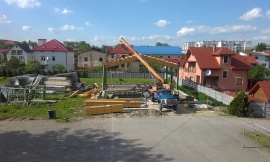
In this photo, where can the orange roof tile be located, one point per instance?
(240, 62)
(9, 42)
(173, 60)
(251, 59)
(265, 86)
(53, 45)
(120, 49)
(223, 51)
(204, 57)
(4, 50)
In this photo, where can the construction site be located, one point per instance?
(33, 89)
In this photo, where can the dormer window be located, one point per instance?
(55, 46)
(43, 46)
(225, 59)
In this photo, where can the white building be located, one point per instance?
(236, 46)
(22, 51)
(262, 58)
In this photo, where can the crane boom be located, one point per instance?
(142, 60)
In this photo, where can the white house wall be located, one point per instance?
(26, 56)
(64, 58)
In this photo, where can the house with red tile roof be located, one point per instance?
(261, 91)
(121, 51)
(214, 67)
(3, 54)
(262, 58)
(54, 52)
(22, 51)
(10, 42)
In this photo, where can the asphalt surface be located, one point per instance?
(188, 137)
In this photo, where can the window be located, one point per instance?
(160, 56)
(266, 58)
(100, 59)
(21, 58)
(256, 58)
(13, 52)
(225, 59)
(85, 58)
(264, 65)
(238, 81)
(53, 58)
(122, 65)
(42, 58)
(19, 52)
(169, 56)
(224, 74)
(112, 56)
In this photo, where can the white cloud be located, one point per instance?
(70, 40)
(70, 27)
(266, 31)
(252, 14)
(66, 11)
(262, 37)
(28, 28)
(63, 11)
(52, 30)
(162, 23)
(197, 30)
(4, 19)
(24, 3)
(189, 21)
(268, 13)
(87, 23)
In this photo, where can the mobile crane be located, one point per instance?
(143, 58)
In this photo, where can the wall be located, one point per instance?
(93, 59)
(123, 75)
(260, 95)
(260, 109)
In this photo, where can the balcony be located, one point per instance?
(44, 62)
(190, 70)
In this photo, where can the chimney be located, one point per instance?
(31, 47)
(41, 42)
(214, 47)
(65, 43)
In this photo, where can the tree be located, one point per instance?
(13, 63)
(239, 106)
(58, 67)
(33, 65)
(258, 72)
(162, 44)
(84, 46)
(155, 66)
(260, 47)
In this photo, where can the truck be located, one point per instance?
(166, 98)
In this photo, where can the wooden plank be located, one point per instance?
(57, 78)
(89, 110)
(56, 82)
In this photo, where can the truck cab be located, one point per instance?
(167, 99)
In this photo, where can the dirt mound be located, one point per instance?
(144, 113)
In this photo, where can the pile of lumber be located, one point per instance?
(130, 103)
(57, 81)
(93, 94)
(103, 109)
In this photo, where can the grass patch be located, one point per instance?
(262, 139)
(3, 80)
(200, 96)
(117, 81)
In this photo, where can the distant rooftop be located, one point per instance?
(148, 50)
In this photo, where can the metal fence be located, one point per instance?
(219, 96)
(123, 75)
(260, 109)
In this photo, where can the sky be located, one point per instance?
(139, 22)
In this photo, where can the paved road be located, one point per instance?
(187, 138)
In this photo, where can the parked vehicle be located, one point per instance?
(167, 99)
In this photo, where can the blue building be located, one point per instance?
(163, 52)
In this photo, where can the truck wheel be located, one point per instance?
(174, 107)
(153, 99)
(160, 107)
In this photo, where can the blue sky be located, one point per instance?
(140, 22)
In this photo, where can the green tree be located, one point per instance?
(33, 65)
(258, 72)
(155, 66)
(239, 106)
(162, 44)
(104, 48)
(13, 63)
(83, 46)
(260, 47)
(58, 67)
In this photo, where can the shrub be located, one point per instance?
(54, 72)
(4, 73)
(49, 72)
(239, 106)
(20, 72)
(9, 74)
(15, 73)
(84, 75)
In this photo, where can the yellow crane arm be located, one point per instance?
(142, 60)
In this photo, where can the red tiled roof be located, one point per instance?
(223, 51)
(119, 50)
(204, 57)
(267, 53)
(265, 86)
(53, 45)
(240, 62)
(251, 59)
(173, 60)
(4, 50)
(9, 42)
(250, 97)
